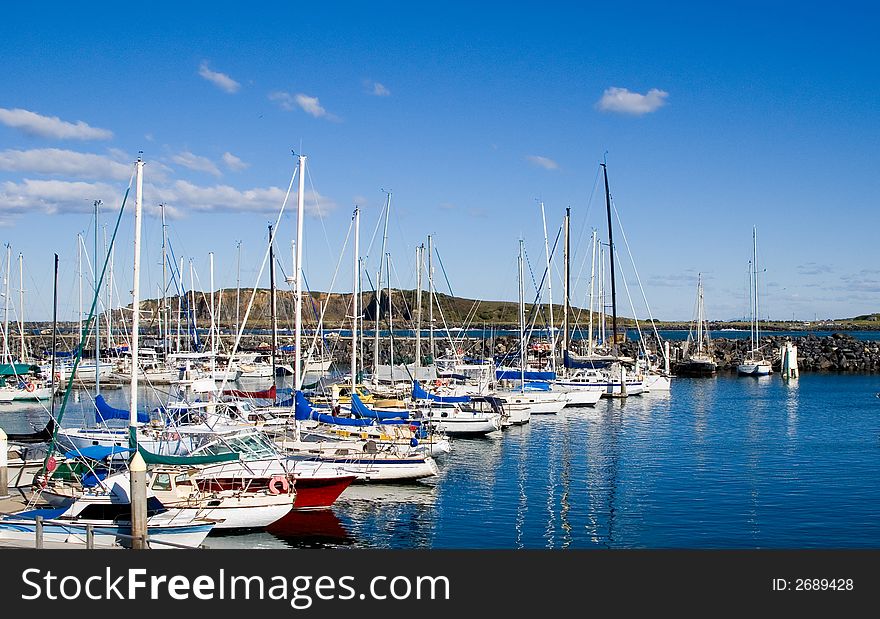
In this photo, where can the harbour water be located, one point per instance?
(725, 462)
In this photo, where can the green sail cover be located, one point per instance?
(17, 369)
(151, 458)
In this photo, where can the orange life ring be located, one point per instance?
(29, 387)
(279, 479)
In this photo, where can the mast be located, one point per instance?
(97, 313)
(700, 313)
(54, 336)
(551, 334)
(379, 291)
(192, 295)
(522, 323)
(21, 305)
(79, 274)
(238, 288)
(297, 270)
(6, 347)
(274, 325)
(757, 340)
(355, 297)
(592, 287)
(135, 305)
(164, 311)
(418, 362)
(109, 293)
(390, 318)
(611, 257)
(566, 278)
(213, 319)
(602, 303)
(179, 302)
(431, 296)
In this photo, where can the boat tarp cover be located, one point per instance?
(104, 411)
(151, 458)
(16, 369)
(304, 411)
(268, 394)
(96, 452)
(573, 361)
(359, 409)
(528, 375)
(418, 393)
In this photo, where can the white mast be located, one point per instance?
(379, 291)
(592, 288)
(213, 320)
(6, 347)
(602, 306)
(700, 313)
(418, 362)
(135, 305)
(551, 333)
(109, 307)
(354, 298)
(431, 296)
(297, 271)
(238, 288)
(522, 323)
(390, 318)
(164, 310)
(97, 308)
(757, 340)
(192, 295)
(79, 274)
(21, 305)
(179, 302)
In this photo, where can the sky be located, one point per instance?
(713, 120)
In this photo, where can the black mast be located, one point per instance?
(272, 299)
(611, 253)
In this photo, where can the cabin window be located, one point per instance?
(162, 481)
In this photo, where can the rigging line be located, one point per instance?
(318, 209)
(660, 349)
(250, 304)
(88, 325)
(319, 329)
(642, 346)
(587, 214)
(366, 257)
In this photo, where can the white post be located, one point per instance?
(297, 271)
(666, 357)
(355, 297)
(138, 476)
(136, 314)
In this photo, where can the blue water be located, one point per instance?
(717, 463)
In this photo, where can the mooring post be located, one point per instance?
(4, 466)
(138, 473)
(38, 532)
(90, 536)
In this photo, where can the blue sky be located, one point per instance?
(714, 119)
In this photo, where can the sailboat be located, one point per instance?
(754, 363)
(699, 362)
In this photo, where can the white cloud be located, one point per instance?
(53, 196)
(51, 126)
(377, 89)
(196, 163)
(180, 197)
(543, 162)
(220, 80)
(310, 105)
(56, 161)
(622, 101)
(234, 163)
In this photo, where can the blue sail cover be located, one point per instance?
(359, 409)
(305, 411)
(96, 452)
(418, 393)
(104, 411)
(513, 374)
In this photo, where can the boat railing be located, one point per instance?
(39, 522)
